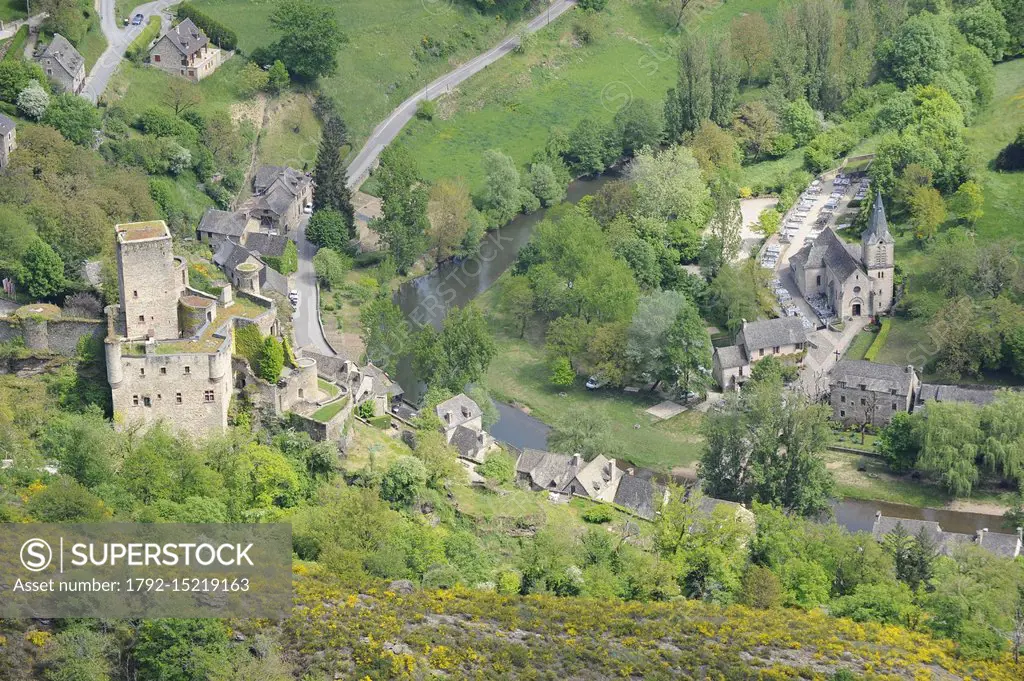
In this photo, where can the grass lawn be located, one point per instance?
(383, 61)
(514, 104)
(861, 343)
(876, 483)
(993, 130)
(519, 374)
(329, 411)
(770, 173)
(93, 44)
(327, 387)
(11, 10)
(292, 133)
(372, 444)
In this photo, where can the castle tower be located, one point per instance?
(150, 280)
(877, 254)
(248, 274)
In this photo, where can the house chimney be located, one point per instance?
(980, 534)
(629, 471)
(480, 437)
(878, 516)
(910, 368)
(448, 416)
(611, 467)
(465, 411)
(1020, 534)
(576, 460)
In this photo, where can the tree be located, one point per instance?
(79, 654)
(459, 354)
(515, 298)
(404, 204)
(567, 337)
(181, 95)
(181, 649)
(503, 195)
(984, 27)
(327, 229)
(927, 212)
(761, 588)
(918, 52)
(898, 444)
(75, 118)
(668, 185)
(33, 100)
(252, 79)
(84, 446)
(385, 332)
(968, 202)
(766, 447)
(278, 77)
(65, 17)
(753, 43)
(1011, 157)
(403, 481)
(448, 210)
(950, 445)
(800, 121)
(589, 149)
(724, 80)
(581, 431)
(270, 362)
(689, 103)
(690, 350)
(724, 233)
(738, 292)
(714, 148)
(42, 272)
(756, 126)
(310, 39)
(66, 501)
(545, 185)
(18, 74)
(638, 125)
(330, 181)
(330, 267)
(648, 348)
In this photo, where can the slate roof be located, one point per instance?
(465, 441)
(6, 125)
(878, 226)
(187, 37)
(65, 54)
(266, 244)
(1000, 544)
(828, 250)
(462, 410)
(546, 470)
(638, 495)
(223, 222)
(877, 377)
(1003, 545)
(885, 525)
(979, 395)
(597, 474)
(290, 178)
(230, 255)
(273, 280)
(382, 383)
(773, 333)
(276, 200)
(731, 356)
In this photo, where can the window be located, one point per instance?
(135, 294)
(156, 57)
(300, 393)
(863, 402)
(856, 289)
(842, 399)
(892, 391)
(894, 406)
(208, 396)
(863, 386)
(761, 351)
(775, 350)
(177, 398)
(142, 371)
(819, 280)
(135, 400)
(188, 370)
(146, 402)
(842, 413)
(163, 371)
(142, 318)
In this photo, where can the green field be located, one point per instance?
(329, 410)
(861, 343)
(291, 134)
(514, 104)
(993, 130)
(94, 43)
(378, 66)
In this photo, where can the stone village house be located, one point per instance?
(756, 340)
(279, 196)
(865, 393)
(63, 64)
(463, 428)
(8, 140)
(185, 51)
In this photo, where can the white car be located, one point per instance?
(294, 297)
(308, 208)
(595, 382)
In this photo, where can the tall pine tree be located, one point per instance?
(330, 188)
(689, 103)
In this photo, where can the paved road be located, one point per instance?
(387, 131)
(304, 320)
(118, 40)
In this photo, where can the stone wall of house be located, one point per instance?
(333, 430)
(853, 406)
(191, 392)
(151, 281)
(57, 336)
(166, 57)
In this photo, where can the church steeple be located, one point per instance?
(878, 227)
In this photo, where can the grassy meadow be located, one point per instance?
(382, 62)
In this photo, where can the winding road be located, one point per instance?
(118, 40)
(306, 322)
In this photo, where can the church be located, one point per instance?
(856, 280)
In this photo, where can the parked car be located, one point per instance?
(294, 297)
(595, 382)
(137, 20)
(308, 208)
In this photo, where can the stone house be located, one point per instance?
(169, 346)
(218, 226)
(855, 280)
(63, 64)
(185, 51)
(640, 495)
(755, 341)
(463, 427)
(8, 140)
(545, 471)
(597, 479)
(230, 255)
(279, 196)
(867, 393)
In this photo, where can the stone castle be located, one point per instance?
(169, 346)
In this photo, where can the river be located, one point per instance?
(427, 299)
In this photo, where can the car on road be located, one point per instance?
(137, 20)
(294, 297)
(595, 382)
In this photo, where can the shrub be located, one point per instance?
(270, 362)
(219, 34)
(596, 5)
(248, 340)
(1011, 157)
(426, 110)
(598, 514)
(498, 467)
(365, 410)
(33, 101)
(879, 342)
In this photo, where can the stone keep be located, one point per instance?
(150, 280)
